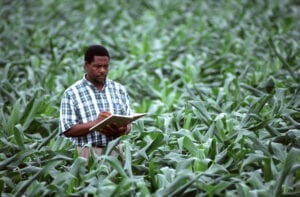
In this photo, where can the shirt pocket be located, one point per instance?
(118, 108)
(87, 112)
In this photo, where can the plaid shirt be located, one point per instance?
(82, 102)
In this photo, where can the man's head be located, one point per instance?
(96, 65)
(95, 50)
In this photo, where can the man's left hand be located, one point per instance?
(114, 131)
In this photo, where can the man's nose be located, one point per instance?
(102, 69)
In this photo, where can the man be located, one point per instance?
(91, 100)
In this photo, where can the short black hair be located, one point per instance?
(95, 50)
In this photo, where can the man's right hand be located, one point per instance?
(83, 128)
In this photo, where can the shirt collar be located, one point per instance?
(87, 82)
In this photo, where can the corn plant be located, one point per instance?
(219, 82)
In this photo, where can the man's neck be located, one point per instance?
(98, 85)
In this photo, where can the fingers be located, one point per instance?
(114, 130)
(103, 115)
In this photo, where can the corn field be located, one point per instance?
(219, 81)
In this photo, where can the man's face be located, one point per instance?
(97, 70)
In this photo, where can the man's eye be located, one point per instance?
(100, 66)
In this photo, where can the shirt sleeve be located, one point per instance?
(68, 116)
(126, 100)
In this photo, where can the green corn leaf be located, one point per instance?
(291, 159)
(16, 159)
(156, 143)
(111, 146)
(268, 175)
(19, 136)
(152, 171)
(283, 61)
(14, 117)
(187, 121)
(22, 187)
(177, 183)
(190, 146)
(47, 140)
(77, 167)
(201, 162)
(113, 161)
(128, 160)
(213, 149)
(260, 146)
(210, 132)
(253, 159)
(255, 91)
(184, 187)
(199, 105)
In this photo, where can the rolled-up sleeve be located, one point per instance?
(126, 101)
(68, 116)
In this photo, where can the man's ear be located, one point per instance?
(85, 65)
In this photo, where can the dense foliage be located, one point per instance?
(219, 80)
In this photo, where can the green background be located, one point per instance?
(218, 79)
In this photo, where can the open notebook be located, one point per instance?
(118, 120)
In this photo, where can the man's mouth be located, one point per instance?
(101, 76)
